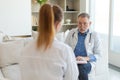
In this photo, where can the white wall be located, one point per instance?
(15, 17)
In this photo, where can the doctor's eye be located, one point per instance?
(85, 23)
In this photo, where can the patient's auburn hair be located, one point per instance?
(46, 31)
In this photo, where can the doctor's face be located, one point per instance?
(83, 24)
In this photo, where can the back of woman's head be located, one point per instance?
(58, 13)
(48, 15)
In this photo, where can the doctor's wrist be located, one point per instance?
(87, 58)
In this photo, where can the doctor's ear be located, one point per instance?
(90, 23)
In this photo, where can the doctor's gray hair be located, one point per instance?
(84, 15)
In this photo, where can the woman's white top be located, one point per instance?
(56, 63)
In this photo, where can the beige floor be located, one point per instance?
(114, 74)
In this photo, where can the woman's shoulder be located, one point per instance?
(62, 48)
(60, 45)
(29, 46)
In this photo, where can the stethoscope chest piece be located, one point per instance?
(89, 44)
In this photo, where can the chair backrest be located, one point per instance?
(10, 51)
(9, 59)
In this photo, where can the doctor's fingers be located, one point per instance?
(78, 58)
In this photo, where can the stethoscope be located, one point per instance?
(89, 38)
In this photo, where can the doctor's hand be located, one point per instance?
(78, 58)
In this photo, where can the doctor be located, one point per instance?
(86, 45)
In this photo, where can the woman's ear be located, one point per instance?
(57, 25)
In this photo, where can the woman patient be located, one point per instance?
(46, 58)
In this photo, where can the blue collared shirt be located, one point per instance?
(80, 49)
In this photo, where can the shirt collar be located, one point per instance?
(85, 33)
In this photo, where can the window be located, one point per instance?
(115, 31)
(101, 21)
(106, 18)
(99, 12)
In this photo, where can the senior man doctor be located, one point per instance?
(85, 44)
